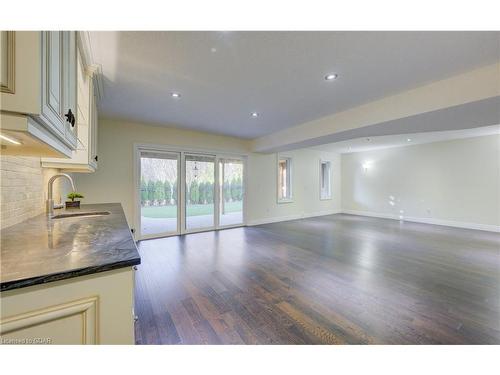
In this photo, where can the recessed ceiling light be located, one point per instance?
(331, 77)
(9, 139)
(408, 140)
(213, 49)
(176, 95)
(254, 114)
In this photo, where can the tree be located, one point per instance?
(194, 192)
(144, 191)
(168, 191)
(227, 191)
(151, 191)
(174, 192)
(209, 192)
(239, 189)
(203, 192)
(159, 192)
(234, 189)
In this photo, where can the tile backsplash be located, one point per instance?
(23, 188)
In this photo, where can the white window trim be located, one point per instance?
(330, 196)
(278, 199)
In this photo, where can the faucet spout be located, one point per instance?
(50, 200)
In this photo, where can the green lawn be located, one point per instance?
(162, 212)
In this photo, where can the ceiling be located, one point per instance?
(401, 140)
(223, 77)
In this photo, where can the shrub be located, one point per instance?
(151, 190)
(174, 192)
(144, 191)
(159, 192)
(194, 192)
(168, 192)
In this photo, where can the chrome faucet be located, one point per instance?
(50, 200)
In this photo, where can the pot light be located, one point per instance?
(213, 49)
(408, 140)
(176, 95)
(9, 139)
(331, 77)
(254, 114)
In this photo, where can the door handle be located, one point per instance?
(70, 117)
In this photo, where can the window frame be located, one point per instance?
(329, 196)
(289, 160)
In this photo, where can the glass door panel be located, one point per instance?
(231, 192)
(159, 194)
(200, 191)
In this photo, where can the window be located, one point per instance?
(284, 179)
(182, 191)
(325, 180)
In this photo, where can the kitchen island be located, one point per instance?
(69, 279)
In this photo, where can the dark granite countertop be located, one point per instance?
(40, 250)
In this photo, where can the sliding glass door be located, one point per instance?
(200, 192)
(159, 193)
(231, 192)
(184, 192)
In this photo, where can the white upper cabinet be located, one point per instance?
(84, 158)
(39, 92)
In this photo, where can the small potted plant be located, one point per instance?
(74, 203)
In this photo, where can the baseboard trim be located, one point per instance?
(425, 220)
(270, 220)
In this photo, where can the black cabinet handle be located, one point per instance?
(70, 117)
(95, 158)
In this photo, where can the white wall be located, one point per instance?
(453, 182)
(114, 179)
(262, 181)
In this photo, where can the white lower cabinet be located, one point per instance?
(93, 309)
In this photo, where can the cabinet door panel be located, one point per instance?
(20, 65)
(52, 77)
(70, 84)
(7, 61)
(54, 72)
(93, 131)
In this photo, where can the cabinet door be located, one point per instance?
(69, 85)
(93, 129)
(52, 111)
(7, 61)
(20, 71)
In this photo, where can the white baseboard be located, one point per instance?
(426, 220)
(291, 217)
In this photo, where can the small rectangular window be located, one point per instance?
(325, 180)
(284, 179)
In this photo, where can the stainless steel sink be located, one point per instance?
(80, 214)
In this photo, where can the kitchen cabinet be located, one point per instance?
(69, 280)
(91, 309)
(39, 92)
(84, 158)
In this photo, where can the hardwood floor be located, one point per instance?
(338, 279)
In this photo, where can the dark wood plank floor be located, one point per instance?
(338, 279)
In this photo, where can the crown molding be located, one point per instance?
(91, 67)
